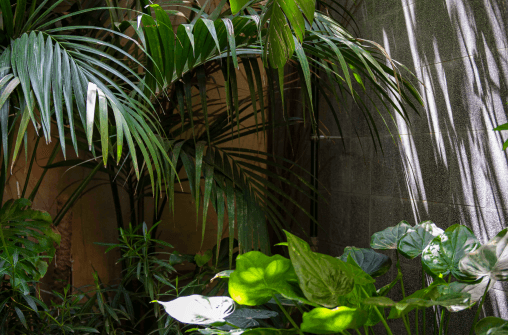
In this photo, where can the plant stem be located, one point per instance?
(441, 324)
(287, 315)
(401, 280)
(406, 324)
(424, 309)
(29, 172)
(416, 322)
(480, 307)
(49, 162)
(447, 322)
(358, 332)
(389, 331)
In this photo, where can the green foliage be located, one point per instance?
(330, 321)
(413, 243)
(444, 252)
(489, 260)
(491, 326)
(373, 263)
(329, 308)
(25, 235)
(390, 237)
(258, 278)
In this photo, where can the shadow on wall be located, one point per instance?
(448, 164)
(458, 50)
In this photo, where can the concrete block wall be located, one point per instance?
(447, 165)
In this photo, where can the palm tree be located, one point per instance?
(86, 76)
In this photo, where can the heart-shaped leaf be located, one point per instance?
(413, 242)
(246, 318)
(258, 278)
(489, 260)
(374, 263)
(199, 310)
(202, 259)
(323, 279)
(331, 321)
(426, 297)
(475, 290)
(444, 252)
(491, 326)
(388, 238)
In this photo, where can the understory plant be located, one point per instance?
(321, 294)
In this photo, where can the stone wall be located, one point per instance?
(447, 165)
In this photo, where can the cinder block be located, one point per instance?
(340, 164)
(359, 221)
(337, 229)
(386, 212)
(386, 168)
(467, 160)
(428, 170)
(361, 157)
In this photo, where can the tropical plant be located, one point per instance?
(338, 293)
(100, 77)
(66, 75)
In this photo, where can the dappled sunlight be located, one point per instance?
(447, 165)
(463, 73)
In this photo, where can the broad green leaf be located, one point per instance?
(388, 238)
(246, 317)
(203, 259)
(489, 260)
(475, 290)
(374, 263)
(258, 278)
(25, 234)
(331, 321)
(491, 326)
(198, 309)
(444, 252)
(236, 5)
(323, 279)
(413, 242)
(419, 299)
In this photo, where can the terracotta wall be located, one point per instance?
(93, 216)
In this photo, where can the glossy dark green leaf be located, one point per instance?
(388, 238)
(476, 291)
(419, 299)
(489, 260)
(444, 252)
(323, 279)
(374, 263)
(202, 259)
(491, 326)
(246, 317)
(332, 321)
(415, 241)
